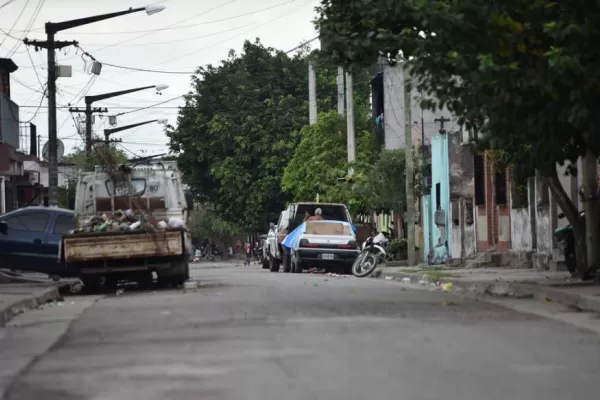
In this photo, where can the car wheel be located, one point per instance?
(296, 265)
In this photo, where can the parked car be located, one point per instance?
(262, 259)
(30, 237)
(290, 219)
(329, 245)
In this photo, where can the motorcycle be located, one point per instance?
(566, 242)
(372, 253)
(565, 238)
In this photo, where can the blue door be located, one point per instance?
(22, 246)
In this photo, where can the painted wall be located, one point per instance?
(440, 236)
(393, 106)
(426, 226)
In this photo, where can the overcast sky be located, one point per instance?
(193, 33)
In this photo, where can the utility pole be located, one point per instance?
(408, 154)
(312, 93)
(589, 172)
(340, 91)
(51, 45)
(52, 28)
(350, 122)
(88, 111)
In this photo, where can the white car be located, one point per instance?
(325, 245)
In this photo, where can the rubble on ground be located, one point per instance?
(121, 221)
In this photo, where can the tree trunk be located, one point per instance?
(572, 213)
(589, 172)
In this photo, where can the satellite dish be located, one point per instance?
(60, 150)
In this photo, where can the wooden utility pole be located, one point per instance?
(408, 154)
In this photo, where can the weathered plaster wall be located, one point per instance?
(520, 229)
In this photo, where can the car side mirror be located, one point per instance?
(3, 227)
(271, 226)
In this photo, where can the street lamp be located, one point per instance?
(52, 28)
(108, 132)
(91, 99)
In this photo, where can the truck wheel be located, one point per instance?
(91, 284)
(273, 265)
(182, 274)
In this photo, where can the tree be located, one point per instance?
(101, 154)
(320, 162)
(206, 224)
(524, 74)
(386, 182)
(234, 135)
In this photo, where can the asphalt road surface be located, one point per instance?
(254, 335)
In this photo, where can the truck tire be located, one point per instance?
(273, 265)
(183, 273)
(91, 284)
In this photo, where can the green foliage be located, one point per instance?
(234, 137)
(386, 182)
(205, 223)
(523, 72)
(101, 154)
(320, 162)
(398, 249)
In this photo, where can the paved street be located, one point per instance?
(251, 334)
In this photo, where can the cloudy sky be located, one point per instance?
(185, 35)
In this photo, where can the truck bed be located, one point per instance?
(86, 247)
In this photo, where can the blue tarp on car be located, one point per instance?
(292, 238)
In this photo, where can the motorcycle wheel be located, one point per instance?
(365, 264)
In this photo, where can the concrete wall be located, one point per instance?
(520, 229)
(393, 99)
(463, 241)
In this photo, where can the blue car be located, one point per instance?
(29, 238)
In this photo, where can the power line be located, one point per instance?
(174, 24)
(214, 21)
(6, 4)
(36, 13)
(152, 106)
(233, 37)
(16, 19)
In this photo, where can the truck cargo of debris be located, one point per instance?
(132, 223)
(127, 220)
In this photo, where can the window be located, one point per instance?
(64, 224)
(136, 187)
(438, 196)
(28, 222)
(500, 186)
(479, 170)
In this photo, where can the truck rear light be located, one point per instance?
(306, 243)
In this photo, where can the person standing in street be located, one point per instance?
(248, 248)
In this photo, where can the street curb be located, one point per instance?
(40, 297)
(497, 288)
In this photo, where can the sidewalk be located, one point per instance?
(507, 282)
(22, 292)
